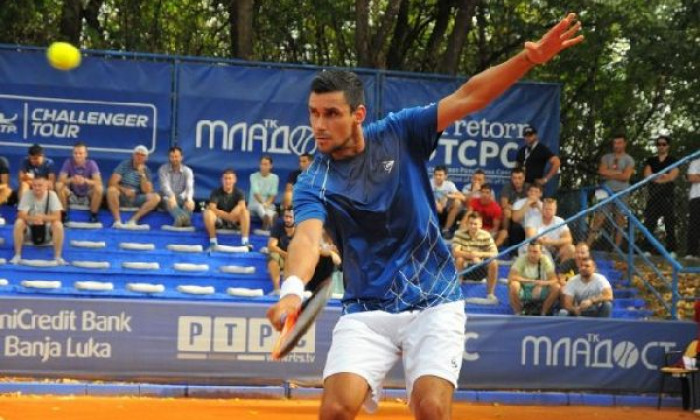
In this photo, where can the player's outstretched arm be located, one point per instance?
(302, 257)
(486, 86)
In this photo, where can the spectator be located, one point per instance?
(557, 243)
(473, 189)
(615, 168)
(513, 191)
(35, 164)
(80, 183)
(304, 162)
(130, 186)
(280, 236)
(226, 209)
(533, 158)
(587, 293)
(264, 187)
(532, 281)
(5, 189)
(571, 266)
(526, 210)
(444, 192)
(458, 211)
(177, 188)
(661, 199)
(39, 220)
(471, 246)
(693, 245)
(488, 208)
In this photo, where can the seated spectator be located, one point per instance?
(177, 188)
(226, 210)
(131, 185)
(443, 191)
(571, 266)
(473, 189)
(264, 186)
(513, 191)
(39, 220)
(525, 210)
(5, 189)
(470, 246)
(280, 236)
(489, 209)
(557, 243)
(80, 183)
(304, 163)
(532, 280)
(35, 164)
(587, 293)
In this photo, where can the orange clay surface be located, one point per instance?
(27, 407)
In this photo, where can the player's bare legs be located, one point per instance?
(431, 398)
(343, 395)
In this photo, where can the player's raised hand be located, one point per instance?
(557, 39)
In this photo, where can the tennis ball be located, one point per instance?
(63, 56)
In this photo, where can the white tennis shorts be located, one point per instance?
(368, 344)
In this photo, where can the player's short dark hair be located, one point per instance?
(340, 81)
(36, 150)
(442, 168)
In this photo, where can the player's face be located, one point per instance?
(228, 181)
(175, 158)
(79, 155)
(333, 122)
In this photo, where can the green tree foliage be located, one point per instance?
(637, 71)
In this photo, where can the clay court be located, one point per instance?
(28, 407)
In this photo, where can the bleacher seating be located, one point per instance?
(207, 267)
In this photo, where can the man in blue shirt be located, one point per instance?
(370, 188)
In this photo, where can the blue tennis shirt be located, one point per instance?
(378, 206)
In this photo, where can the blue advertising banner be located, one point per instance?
(202, 342)
(232, 116)
(488, 139)
(111, 105)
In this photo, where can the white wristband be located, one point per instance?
(293, 285)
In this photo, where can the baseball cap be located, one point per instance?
(529, 130)
(141, 149)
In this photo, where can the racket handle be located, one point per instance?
(289, 322)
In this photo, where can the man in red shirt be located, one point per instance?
(488, 208)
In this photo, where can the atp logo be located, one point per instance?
(7, 125)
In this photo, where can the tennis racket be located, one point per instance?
(296, 325)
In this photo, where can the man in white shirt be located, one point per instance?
(39, 219)
(587, 293)
(525, 210)
(444, 192)
(264, 187)
(557, 243)
(693, 248)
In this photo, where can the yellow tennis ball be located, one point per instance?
(63, 56)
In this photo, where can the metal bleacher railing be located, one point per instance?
(668, 286)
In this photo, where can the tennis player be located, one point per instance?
(370, 187)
